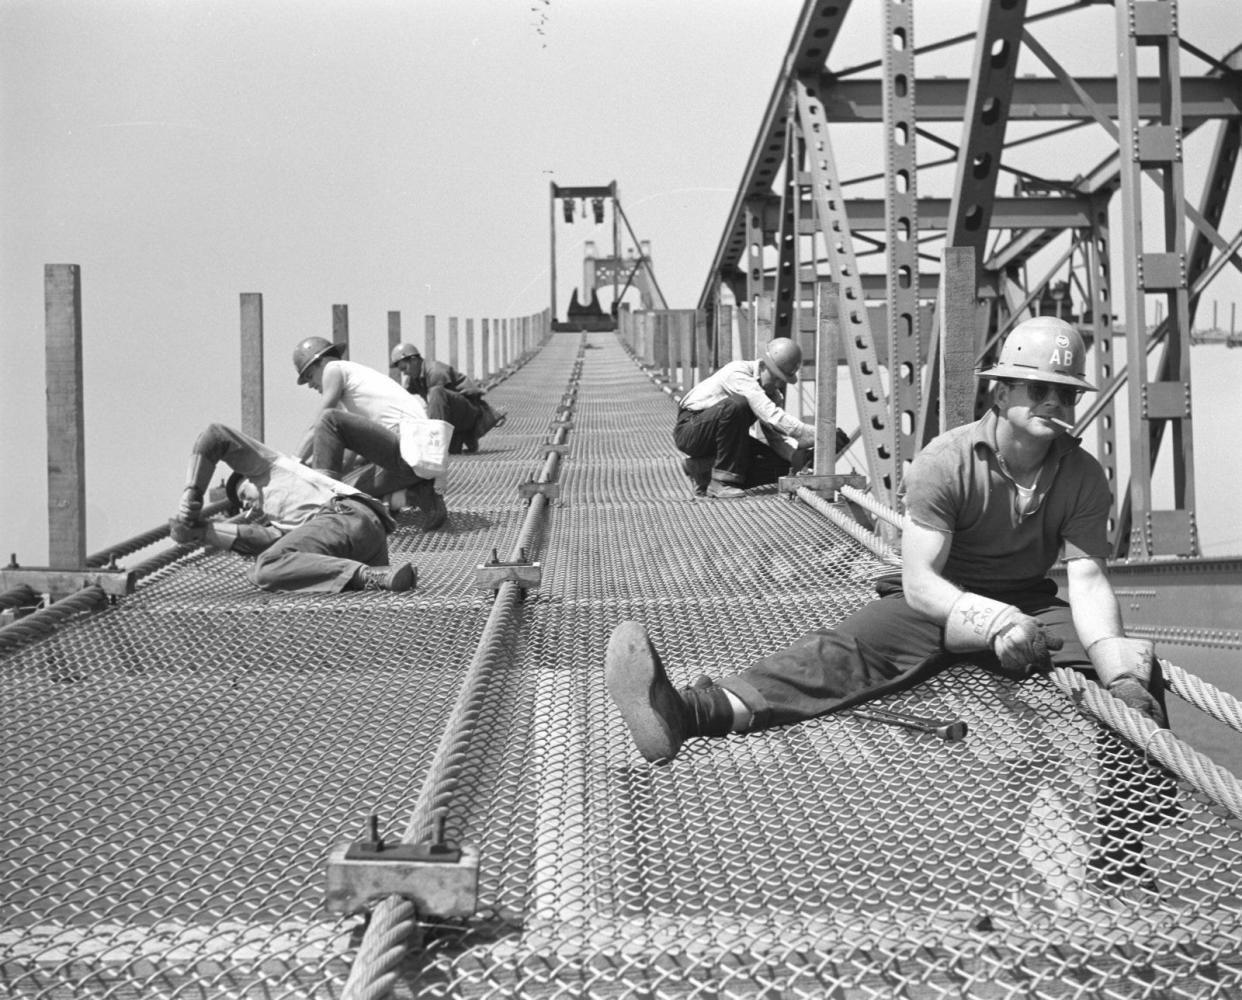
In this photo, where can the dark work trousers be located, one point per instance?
(722, 433)
(454, 408)
(340, 430)
(887, 646)
(324, 554)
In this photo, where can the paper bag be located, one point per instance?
(424, 446)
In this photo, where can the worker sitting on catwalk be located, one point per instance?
(450, 396)
(362, 405)
(308, 531)
(991, 506)
(734, 429)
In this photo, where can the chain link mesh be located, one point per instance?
(178, 765)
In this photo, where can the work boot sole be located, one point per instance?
(404, 577)
(649, 705)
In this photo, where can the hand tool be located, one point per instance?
(949, 730)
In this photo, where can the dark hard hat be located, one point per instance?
(403, 351)
(1043, 349)
(310, 351)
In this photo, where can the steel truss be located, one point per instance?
(1047, 247)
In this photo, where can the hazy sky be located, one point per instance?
(384, 154)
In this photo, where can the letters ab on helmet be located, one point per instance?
(1042, 349)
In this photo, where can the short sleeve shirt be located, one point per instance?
(956, 485)
(375, 396)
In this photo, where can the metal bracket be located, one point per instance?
(44, 580)
(530, 488)
(566, 424)
(821, 484)
(560, 449)
(441, 879)
(491, 574)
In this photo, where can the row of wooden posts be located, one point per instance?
(481, 352)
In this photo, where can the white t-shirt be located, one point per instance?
(370, 394)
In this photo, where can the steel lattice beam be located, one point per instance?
(1068, 217)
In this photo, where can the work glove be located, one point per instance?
(191, 504)
(1123, 666)
(1019, 641)
(183, 532)
(1134, 694)
(805, 436)
(1022, 645)
(800, 459)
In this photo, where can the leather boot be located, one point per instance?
(659, 718)
(197, 479)
(431, 503)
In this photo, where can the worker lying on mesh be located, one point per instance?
(991, 506)
(308, 531)
(450, 396)
(733, 427)
(367, 406)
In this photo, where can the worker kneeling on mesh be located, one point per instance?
(309, 532)
(734, 429)
(991, 506)
(450, 396)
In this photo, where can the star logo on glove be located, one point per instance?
(972, 618)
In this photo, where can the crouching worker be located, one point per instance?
(309, 532)
(991, 506)
(450, 396)
(715, 420)
(353, 394)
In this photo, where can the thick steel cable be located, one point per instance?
(878, 508)
(20, 596)
(156, 534)
(1217, 703)
(847, 524)
(1159, 744)
(44, 621)
(384, 943)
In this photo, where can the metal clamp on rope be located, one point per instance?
(491, 574)
(110, 579)
(441, 878)
(550, 446)
(820, 484)
(532, 488)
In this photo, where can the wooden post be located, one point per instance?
(470, 348)
(252, 364)
(763, 321)
(429, 338)
(702, 346)
(827, 348)
(340, 327)
(658, 339)
(484, 336)
(453, 342)
(724, 334)
(746, 332)
(957, 337)
(66, 423)
(394, 338)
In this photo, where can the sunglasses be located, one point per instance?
(1037, 392)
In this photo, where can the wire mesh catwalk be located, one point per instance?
(180, 764)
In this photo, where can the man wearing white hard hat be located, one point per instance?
(990, 506)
